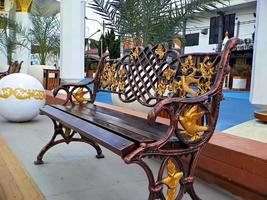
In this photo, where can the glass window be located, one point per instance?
(192, 39)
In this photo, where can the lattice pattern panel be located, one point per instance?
(154, 73)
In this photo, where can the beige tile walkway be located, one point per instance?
(254, 130)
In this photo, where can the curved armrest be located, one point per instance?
(67, 87)
(76, 90)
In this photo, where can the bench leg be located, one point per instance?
(68, 136)
(177, 180)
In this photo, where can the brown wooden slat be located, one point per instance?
(15, 182)
(131, 127)
(111, 141)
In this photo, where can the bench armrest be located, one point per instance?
(152, 115)
(76, 91)
(192, 120)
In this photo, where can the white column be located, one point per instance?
(72, 40)
(258, 93)
(23, 53)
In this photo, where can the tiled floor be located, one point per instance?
(71, 172)
(235, 109)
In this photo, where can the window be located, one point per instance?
(192, 39)
(214, 30)
(228, 26)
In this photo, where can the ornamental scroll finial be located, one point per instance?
(190, 122)
(172, 180)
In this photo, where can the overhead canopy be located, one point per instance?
(51, 7)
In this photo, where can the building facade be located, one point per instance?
(208, 33)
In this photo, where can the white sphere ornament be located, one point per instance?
(21, 97)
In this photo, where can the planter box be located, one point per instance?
(239, 83)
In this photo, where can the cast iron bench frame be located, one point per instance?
(188, 88)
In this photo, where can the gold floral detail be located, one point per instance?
(79, 95)
(169, 73)
(160, 51)
(207, 71)
(190, 121)
(113, 79)
(108, 77)
(135, 53)
(161, 88)
(193, 80)
(186, 82)
(121, 82)
(175, 87)
(168, 79)
(22, 94)
(172, 180)
(188, 64)
(206, 68)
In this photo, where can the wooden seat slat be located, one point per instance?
(115, 143)
(133, 128)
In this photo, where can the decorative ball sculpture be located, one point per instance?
(21, 97)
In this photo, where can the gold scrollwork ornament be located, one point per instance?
(22, 94)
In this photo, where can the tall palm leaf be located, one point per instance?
(154, 20)
(9, 42)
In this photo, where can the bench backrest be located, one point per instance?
(14, 67)
(152, 74)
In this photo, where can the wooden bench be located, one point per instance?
(188, 88)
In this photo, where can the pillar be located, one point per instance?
(23, 53)
(258, 95)
(23, 18)
(72, 40)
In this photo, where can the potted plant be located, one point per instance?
(240, 74)
(90, 67)
(45, 33)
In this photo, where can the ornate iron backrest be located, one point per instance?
(154, 73)
(187, 87)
